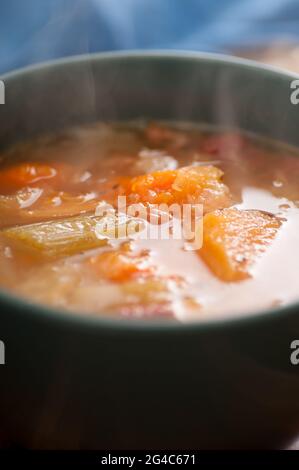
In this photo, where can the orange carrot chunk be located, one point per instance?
(194, 185)
(234, 239)
(29, 173)
(119, 266)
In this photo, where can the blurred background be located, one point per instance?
(33, 31)
(37, 30)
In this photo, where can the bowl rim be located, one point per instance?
(48, 314)
(138, 54)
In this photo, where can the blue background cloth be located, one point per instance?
(38, 30)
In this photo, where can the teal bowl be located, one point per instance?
(82, 382)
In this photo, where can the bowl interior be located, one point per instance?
(201, 88)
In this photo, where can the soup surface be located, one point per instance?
(150, 220)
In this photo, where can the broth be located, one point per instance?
(56, 247)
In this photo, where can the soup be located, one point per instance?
(150, 220)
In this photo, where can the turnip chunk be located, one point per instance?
(69, 236)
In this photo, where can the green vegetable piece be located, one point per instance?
(69, 236)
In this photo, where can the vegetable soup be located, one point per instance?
(66, 242)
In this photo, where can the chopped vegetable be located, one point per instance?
(193, 184)
(62, 204)
(32, 204)
(120, 266)
(234, 239)
(65, 237)
(29, 173)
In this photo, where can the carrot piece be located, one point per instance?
(195, 185)
(119, 266)
(30, 173)
(234, 239)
